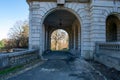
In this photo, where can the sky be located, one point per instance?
(12, 11)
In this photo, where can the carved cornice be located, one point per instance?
(41, 0)
(80, 1)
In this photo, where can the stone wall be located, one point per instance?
(108, 54)
(92, 17)
(38, 12)
(17, 58)
(100, 10)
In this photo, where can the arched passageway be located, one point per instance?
(62, 19)
(113, 28)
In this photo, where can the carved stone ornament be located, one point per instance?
(60, 2)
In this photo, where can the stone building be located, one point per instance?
(85, 21)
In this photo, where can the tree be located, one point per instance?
(57, 36)
(24, 35)
(1, 44)
(18, 35)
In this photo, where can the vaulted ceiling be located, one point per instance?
(60, 18)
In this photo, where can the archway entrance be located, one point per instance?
(59, 40)
(65, 20)
(112, 29)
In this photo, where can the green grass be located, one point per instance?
(8, 70)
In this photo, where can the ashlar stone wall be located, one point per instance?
(91, 16)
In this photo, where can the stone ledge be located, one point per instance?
(21, 53)
(17, 58)
(108, 60)
(24, 68)
(3, 61)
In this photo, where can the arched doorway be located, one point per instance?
(59, 40)
(112, 28)
(66, 20)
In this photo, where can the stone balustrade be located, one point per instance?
(108, 54)
(18, 49)
(109, 46)
(17, 58)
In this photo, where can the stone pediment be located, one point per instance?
(81, 1)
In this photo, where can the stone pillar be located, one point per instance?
(30, 28)
(79, 38)
(85, 36)
(43, 38)
(74, 36)
(46, 41)
(70, 39)
(34, 36)
(36, 29)
(98, 28)
(41, 41)
(118, 32)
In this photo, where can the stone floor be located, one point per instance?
(59, 69)
(56, 55)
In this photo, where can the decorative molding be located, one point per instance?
(79, 1)
(60, 2)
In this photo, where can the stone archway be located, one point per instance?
(82, 35)
(66, 20)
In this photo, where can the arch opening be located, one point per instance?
(61, 19)
(59, 40)
(112, 29)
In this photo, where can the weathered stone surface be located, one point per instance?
(86, 25)
(17, 58)
(108, 54)
(60, 70)
(59, 0)
(4, 61)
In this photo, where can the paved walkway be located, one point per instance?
(61, 69)
(56, 55)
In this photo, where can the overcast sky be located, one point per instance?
(10, 12)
